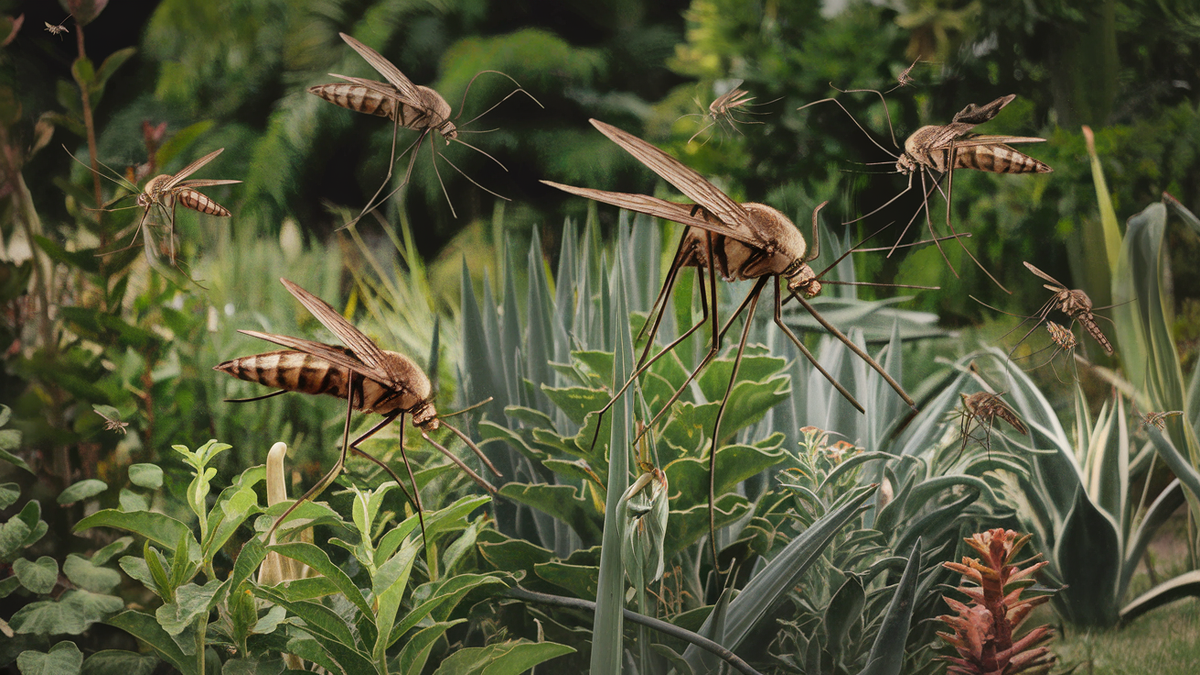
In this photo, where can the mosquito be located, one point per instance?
(166, 191)
(722, 110)
(371, 380)
(410, 106)
(1158, 420)
(981, 410)
(737, 241)
(57, 29)
(939, 150)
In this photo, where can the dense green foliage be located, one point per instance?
(130, 541)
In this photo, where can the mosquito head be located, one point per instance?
(448, 131)
(424, 415)
(802, 279)
(906, 164)
(150, 195)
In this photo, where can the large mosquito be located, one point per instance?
(737, 241)
(935, 149)
(410, 106)
(371, 379)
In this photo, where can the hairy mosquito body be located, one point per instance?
(1075, 304)
(981, 410)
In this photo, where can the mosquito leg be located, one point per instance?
(663, 293)
(433, 151)
(372, 205)
(807, 354)
(256, 398)
(949, 225)
(328, 479)
(474, 448)
(929, 219)
(491, 489)
(712, 454)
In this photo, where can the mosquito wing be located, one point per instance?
(979, 139)
(652, 206)
(408, 90)
(206, 182)
(686, 181)
(381, 88)
(338, 356)
(975, 115)
(362, 346)
(1045, 276)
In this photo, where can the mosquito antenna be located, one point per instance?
(884, 206)
(876, 249)
(467, 409)
(485, 154)
(473, 181)
(887, 113)
(519, 89)
(119, 179)
(471, 444)
(882, 285)
(860, 127)
(372, 204)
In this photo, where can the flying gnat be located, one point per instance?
(371, 380)
(735, 241)
(980, 411)
(935, 151)
(58, 29)
(164, 192)
(723, 110)
(408, 105)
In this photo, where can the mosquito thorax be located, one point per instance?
(147, 196)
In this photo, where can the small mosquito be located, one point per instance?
(905, 77)
(112, 418)
(722, 109)
(940, 149)
(166, 191)
(981, 410)
(57, 29)
(1158, 419)
(410, 106)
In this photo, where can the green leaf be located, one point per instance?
(443, 597)
(561, 501)
(506, 658)
(119, 662)
(40, 576)
(685, 528)
(7, 456)
(581, 581)
(84, 489)
(149, 476)
(1183, 586)
(64, 658)
(105, 554)
(576, 402)
(70, 614)
(318, 560)
(887, 654)
(12, 537)
(191, 601)
(416, 650)
(144, 627)
(1088, 556)
(321, 621)
(159, 528)
(112, 63)
(89, 576)
(688, 477)
(85, 260)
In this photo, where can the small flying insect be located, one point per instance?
(736, 241)
(981, 410)
(722, 109)
(1158, 420)
(371, 380)
(57, 29)
(112, 418)
(410, 106)
(939, 150)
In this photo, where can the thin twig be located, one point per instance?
(656, 624)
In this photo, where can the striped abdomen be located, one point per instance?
(297, 371)
(1088, 321)
(199, 202)
(431, 112)
(998, 158)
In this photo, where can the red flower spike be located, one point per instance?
(983, 630)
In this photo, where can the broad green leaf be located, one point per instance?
(159, 528)
(9, 494)
(144, 627)
(71, 613)
(1183, 586)
(318, 560)
(576, 402)
(63, 658)
(119, 662)
(388, 588)
(685, 528)
(1088, 555)
(84, 489)
(416, 650)
(689, 477)
(511, 555)
(38, 576)
(89, 576)
(581, 581)
(506, 658)
(149, 476)
(439, 599)
(191, 601)
(322, 622)
(561, 501)
(12, 537)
